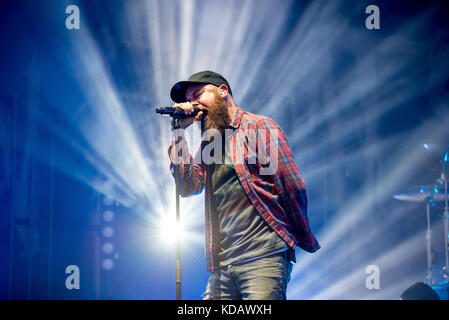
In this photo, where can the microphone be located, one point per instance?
(177, 112)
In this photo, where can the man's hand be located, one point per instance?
(188, 109)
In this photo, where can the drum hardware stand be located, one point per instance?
(444, 284)
(431, 195)
(429, 200)
(443, 181)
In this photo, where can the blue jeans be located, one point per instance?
(261, 279)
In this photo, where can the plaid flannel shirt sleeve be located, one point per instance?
(287, 179)
(191, 172)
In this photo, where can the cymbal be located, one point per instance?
(421, 194)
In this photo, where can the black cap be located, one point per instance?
(178, 91)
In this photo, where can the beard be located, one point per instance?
(217, 113)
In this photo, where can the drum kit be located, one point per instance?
(430, 194)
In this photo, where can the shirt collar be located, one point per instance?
(235, 122)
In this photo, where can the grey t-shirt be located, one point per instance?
(242, 233)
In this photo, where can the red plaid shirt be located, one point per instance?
(280, 198)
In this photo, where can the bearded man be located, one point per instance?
(253, 220)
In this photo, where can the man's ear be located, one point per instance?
(223, 89)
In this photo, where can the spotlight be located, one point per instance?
(108, 216)
(108, 232)
(169, 230)
(108, 248)
(107, 264)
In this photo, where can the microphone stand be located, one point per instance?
(178, 223)
(176, 125)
